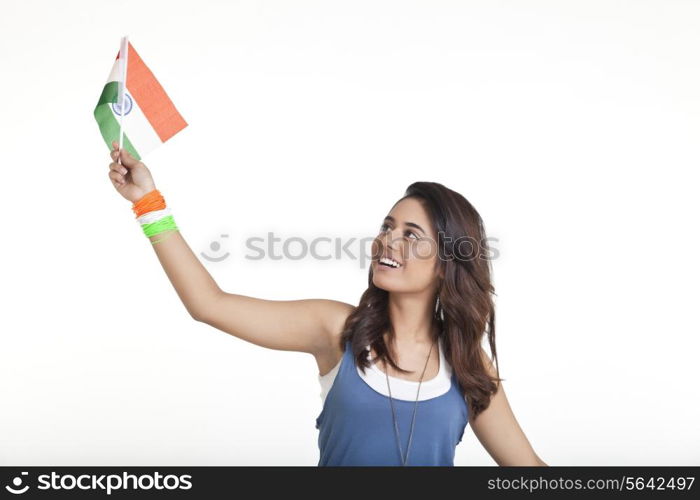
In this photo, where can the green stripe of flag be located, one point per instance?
(109, 126)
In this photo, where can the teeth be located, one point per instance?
(391, 262)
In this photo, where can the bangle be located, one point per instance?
(153, 216)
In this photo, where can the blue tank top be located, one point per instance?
(356, 425)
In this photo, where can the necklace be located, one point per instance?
(413, 419)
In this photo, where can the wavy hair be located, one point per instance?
(464, 312)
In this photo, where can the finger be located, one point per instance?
(115, 150)
(126, 158)
(114, 154)
(119, 168)
(116, 177)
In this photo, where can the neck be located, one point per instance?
(412, 318)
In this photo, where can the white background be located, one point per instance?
(572, 127)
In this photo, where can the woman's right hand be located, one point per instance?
(131, 179)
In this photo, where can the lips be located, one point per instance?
(388, 255)
(382, 266)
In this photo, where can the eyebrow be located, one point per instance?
(411, 224)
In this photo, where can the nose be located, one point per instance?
(389, 241)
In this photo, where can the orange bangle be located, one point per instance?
(150, 202)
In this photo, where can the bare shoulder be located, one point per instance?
(485, 357)
(329, 351)
(488, 363)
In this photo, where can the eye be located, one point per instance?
(385, 226)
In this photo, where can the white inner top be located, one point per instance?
(400, 388)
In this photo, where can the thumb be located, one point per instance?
(126, 159)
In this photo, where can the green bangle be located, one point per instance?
(165, 224)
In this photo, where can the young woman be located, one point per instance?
(403, 373)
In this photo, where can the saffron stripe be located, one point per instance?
(155, 104)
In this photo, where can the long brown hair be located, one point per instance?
(465, 298)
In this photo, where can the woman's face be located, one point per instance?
(408, 236)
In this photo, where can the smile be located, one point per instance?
(390, 263)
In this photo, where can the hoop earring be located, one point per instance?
(439, 307)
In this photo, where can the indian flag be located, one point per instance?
(149, 116)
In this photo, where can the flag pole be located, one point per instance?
(123, 58)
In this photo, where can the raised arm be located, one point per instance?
(499, 432)
(306, 325)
